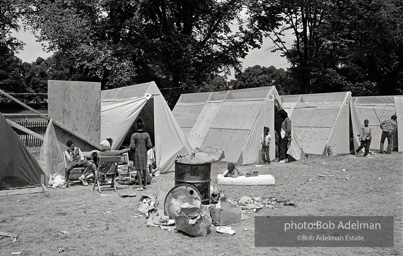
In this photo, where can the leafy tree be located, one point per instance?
(275, 18)
(178, 44)
(338, 45)
(365, 46)
(10, 65)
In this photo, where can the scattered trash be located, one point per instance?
(107, 212)
(347, 178)
(380, 178)
(225, 230)
(62, 250)
(64, 232)
(259, 165)
(15, 253)
(105, 195)
(344, 170)
(310, 180)
(128, 195)
(197, 223)
(15, 236)
(320, 175)
(245, 229)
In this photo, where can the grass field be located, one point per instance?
(105, 224)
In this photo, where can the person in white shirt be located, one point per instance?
(77, 159)
(265, 140)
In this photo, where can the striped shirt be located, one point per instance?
(389, 126)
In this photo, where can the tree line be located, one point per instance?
(190, 46)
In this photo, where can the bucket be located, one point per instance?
(197, 175)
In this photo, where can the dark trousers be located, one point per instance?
(389, 136)
(284, 145)
(81, 163)
(364, 144)
(266, 154)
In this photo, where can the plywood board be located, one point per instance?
(310, 117)
(202, 125)
(76, 106)
(237, 115)
(313, 140)
(230, 141)
(187, 114)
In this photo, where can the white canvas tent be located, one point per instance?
(188, 108)
(323, 120)
(382, 107)
(122, 106)
(234, 120)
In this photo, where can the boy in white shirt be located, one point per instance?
(265, 140)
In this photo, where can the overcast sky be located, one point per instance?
(263, 56)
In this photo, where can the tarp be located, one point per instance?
(326, 120)
(18, 167)
(377, 109)
(122, 106)
(51, 154)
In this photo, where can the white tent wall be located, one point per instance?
(289, 102)
(201, 127)
(170, 140)
(339, 135)
(399, 114)
(188, 108)
(231, 127)
(322, 120)
(118, 118)
(251, 150)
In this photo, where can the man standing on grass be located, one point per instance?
(388, 128)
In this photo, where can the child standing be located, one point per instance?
(365, 138)
(265, 140)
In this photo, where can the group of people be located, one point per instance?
(388, 128)
(140, 147)
(282, 143)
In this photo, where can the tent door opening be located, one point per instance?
(147, 115)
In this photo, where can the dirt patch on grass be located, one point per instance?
(106, 225)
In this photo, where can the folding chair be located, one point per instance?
(107, 167)
(75, 173)
(124, 168)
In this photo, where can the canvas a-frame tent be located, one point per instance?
(382, 107)
(324, 120)
(122, 106)
(233, 121)
(188, 108)
(18, 167)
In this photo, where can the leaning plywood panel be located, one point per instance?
(76, 106)
(313, 139)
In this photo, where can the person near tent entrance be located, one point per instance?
(140, 142)
(365, 138)
(265, 140)
(285, 136)
(388, 128)
(77, 159)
